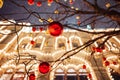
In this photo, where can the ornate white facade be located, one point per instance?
(18, 55)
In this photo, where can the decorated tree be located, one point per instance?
(99, 18)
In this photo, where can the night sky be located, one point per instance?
(12, 11)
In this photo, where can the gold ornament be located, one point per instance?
(1, 3)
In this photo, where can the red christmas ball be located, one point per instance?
(30, 2)
(32, 77)
(107, 63)
(39, 3)
(50, 1)
(98, 50)
(55, 28)
(33, 29)
(115, 63)
(104, 58)
(41, 29)
(89, 76)
(84, 66)
(32, 42)
(44, 67)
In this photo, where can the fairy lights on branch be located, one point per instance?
(55, 27)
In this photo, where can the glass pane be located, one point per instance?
(71, 77)
(116, 76)
(59, 77)
(83, 77)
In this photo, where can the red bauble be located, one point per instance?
(115, 63)
(98, 50)
(104, 58)
(41, 29)
(55, 28)
(107, 63)
(32, 42)
(89, 76)
(50, 1)
(44, 67)
(30, 2)
(32, 77)
(33, 29)
(84, 66)
(39, 3)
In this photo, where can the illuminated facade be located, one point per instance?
(17, 48)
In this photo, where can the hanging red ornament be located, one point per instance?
(50, 1)
(78, 22)
(32, 42)
(30, 2)
(39, 3)
(115, 63)
(32, 77)
(55, 28)
(44, 67)
(33, 29)
(89, 76)
(107, 63)
(104, 58)
(41, 29)
(84, 66)
(98, 49)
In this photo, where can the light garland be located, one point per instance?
(73, 66)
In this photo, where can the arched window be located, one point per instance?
(39, 41)
(75, 41)
(83, 74)
(71, 74)
(59, 74)
(61, 43)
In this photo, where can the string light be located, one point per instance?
(108, 5)
(41, 20)
(77, 17)
(56, 12)
(50, 20)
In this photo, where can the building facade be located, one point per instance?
(21, 53)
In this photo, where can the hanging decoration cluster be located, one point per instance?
(84, 66)
(38, 3)
(98, 49)
(88, 75)
(44, 67)
(107, 63)
(55, 28)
